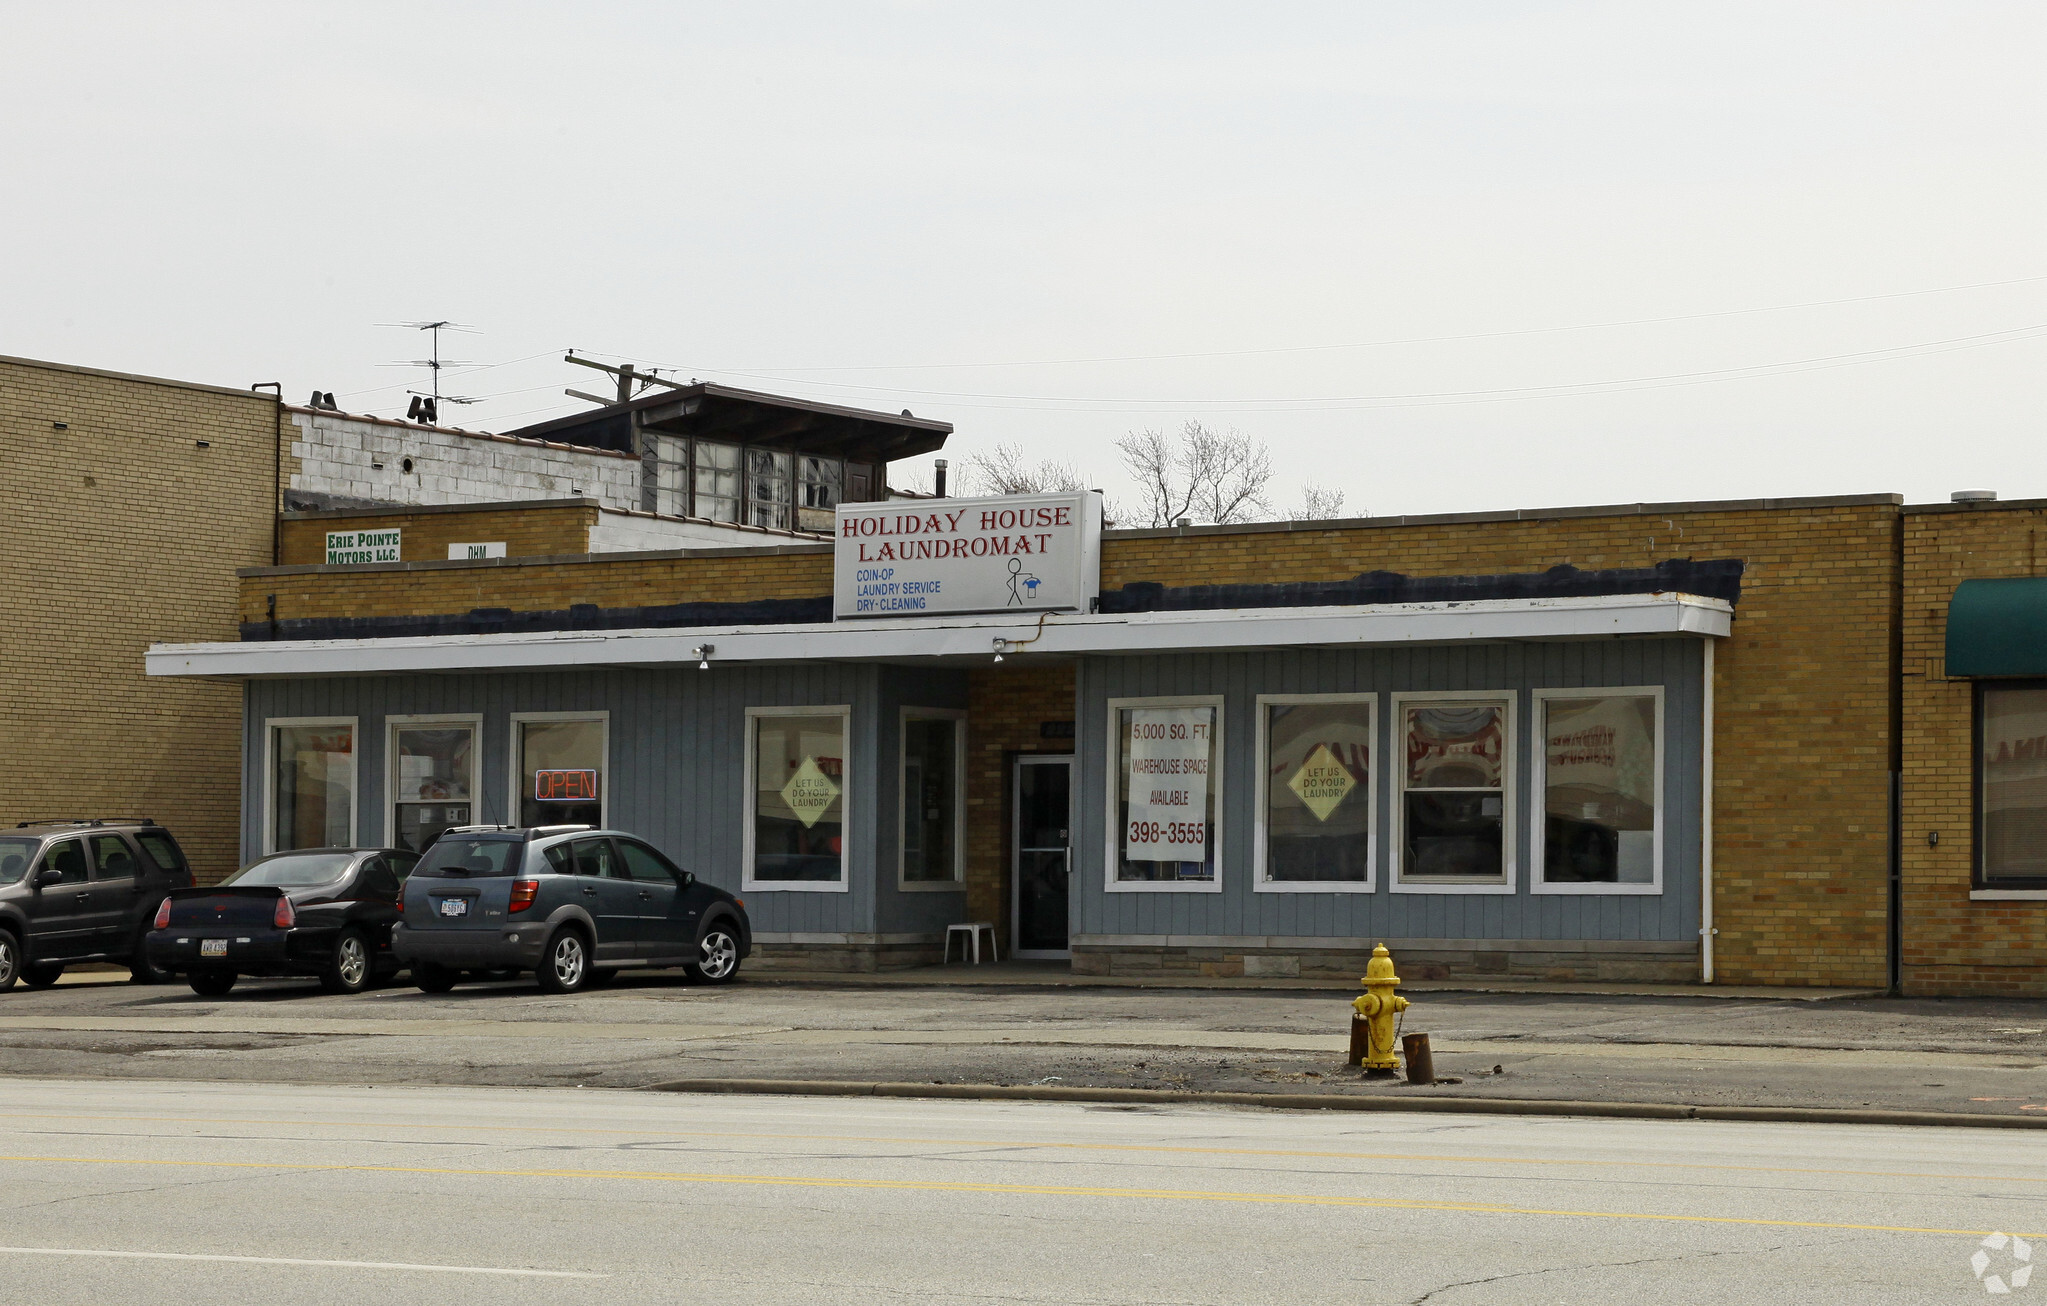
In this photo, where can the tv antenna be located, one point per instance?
(429, 401)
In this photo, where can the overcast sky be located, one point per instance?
(1442, 257)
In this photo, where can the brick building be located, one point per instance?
(1679, 727)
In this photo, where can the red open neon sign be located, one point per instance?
(565, 786)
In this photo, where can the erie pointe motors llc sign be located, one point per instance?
(348, 548)
(918, 557)
(1170, 748)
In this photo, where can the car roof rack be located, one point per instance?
(87, 821)
(473, 829)
(560, 829)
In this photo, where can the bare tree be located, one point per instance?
(1201, 474)
(1317, 504)
(1003, 470)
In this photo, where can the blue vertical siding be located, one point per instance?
(1675, 664)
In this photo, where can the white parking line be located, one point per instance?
(290, 1260)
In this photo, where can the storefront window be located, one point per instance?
(1599, 786)
(767, 488)
(560, 765)
(2012, 784)
(1317, 782)
(932, 749)
(799, 799)
(432, 767)
(1166, 793)
(312, 785)
(1454, 791)
(717, 480)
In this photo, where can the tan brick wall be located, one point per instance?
(528, 531)
(1804, 743)
(121, 532)
(1951, 944)
(1005, 706)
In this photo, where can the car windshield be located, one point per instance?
(471, 855)
(16, 856)
(294, 871)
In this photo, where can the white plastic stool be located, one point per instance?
(972, 929)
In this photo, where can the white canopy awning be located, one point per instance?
(965, 638)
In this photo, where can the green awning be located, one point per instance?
(1998, 628)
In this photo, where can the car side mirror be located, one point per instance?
(48, 876)
(688, 879)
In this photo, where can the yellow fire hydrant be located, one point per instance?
(1379, 1009)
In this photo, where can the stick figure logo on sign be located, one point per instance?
(1023, 587)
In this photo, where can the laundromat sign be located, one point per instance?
(920, 557)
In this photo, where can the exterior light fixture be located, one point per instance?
(702, 653)
(1001, 644)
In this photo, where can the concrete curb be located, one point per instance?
(1334, 1102)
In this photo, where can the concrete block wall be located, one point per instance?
(365, 458)
(122, 531)
(1953, 945)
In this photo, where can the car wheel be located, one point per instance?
(348, 966)
(566, 966)
(42, 976)
(212, 983)
(141, 970)
(10, 960)
(720, 953)
(433, 979)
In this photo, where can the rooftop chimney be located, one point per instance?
(938, 477)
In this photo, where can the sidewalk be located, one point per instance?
(1020, 1026)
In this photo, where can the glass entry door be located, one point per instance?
(1042, 839)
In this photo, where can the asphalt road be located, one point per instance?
(1980, 1057)
(151, 1192)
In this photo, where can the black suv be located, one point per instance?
(74, 891)
(571, 904)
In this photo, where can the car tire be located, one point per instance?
(42, 975)
(212, 983)
(720, 957)
(565, 964)
(141, 970)
(349, 964)
(433, 979)
(10, 960)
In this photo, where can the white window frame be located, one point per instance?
(1114, 827)
(1538, 792)
(515, 753)
(1370, 884)
(1510, 771)
(958, 882)
(844, 884)
(392, 725)
(270, 725)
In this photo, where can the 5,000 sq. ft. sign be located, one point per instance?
(919, 557)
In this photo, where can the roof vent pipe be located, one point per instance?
(938, 477)
(1973, 496)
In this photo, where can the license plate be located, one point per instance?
(213, 947)
(454, 906)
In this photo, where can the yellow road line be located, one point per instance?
(1008, 1190)
(1020, 1145)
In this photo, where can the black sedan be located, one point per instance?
(325, 913)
